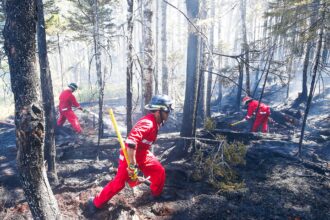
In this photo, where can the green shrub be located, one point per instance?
(216, 164)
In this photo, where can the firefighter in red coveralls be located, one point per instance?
(67, 100)
(262, 115)
(138, 143)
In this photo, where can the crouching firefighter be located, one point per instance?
(138, 144)
(261, 116)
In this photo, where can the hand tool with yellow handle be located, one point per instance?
(122, 145)
(238, 122)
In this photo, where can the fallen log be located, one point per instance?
(288, 118)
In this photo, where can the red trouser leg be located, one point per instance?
(61, 120)
(257, 123)
(114, 186)
(265, 124)
(156, 171)
(72, 118)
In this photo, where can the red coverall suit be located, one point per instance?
(261, 117)
(143, 134)
(67, 100)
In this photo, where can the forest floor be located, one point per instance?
(277, 185)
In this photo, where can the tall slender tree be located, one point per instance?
(100, 82)
(219, 81)
(47, 95)
(164, 49)
(240, 86)
(315, 70)
(148, 64)
(20, 47)
(211, 62)
(156, 69)
(308, 49)
(55, 26)
(188, 128)
(245, 46)
(91, 22)
(129, 69)
(202, 67)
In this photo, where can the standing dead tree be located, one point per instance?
(100, 78)
(148, 64)
(312, 87)
(164, 50)
(47, 95)
(188, 128)
(129, 70)
(20, 46)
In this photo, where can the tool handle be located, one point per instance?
(120, 139)
(238, 122)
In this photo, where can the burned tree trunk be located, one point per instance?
(97, 50)
(148, 52)
(219, 79)
(164, 50)
(240, 86)
(156, 68)
(245, 45)
(20, 46)
(129, 70)
(201, 112)
(309, 49)
(61, 59)
(303, 95)
(190, 102)
(210, 65)
(312, 87)
(47, 95)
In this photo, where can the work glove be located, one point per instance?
(82, 109)
(132, 171)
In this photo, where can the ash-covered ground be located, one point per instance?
(277, 184)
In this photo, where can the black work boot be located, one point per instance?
(90, 207)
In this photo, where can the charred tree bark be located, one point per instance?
(289, 68)
(240, 86)
(210, 65)
(47, 95)
(148, 65)
(61, 59)
(312, 87)
(303, 95)
(129, 70)
(201, 113)
(20, 46)
(141, 43)
(164, 50)
(245, 46)
(188, 128)
(219, 81)
(97, 51)
(156, 68)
